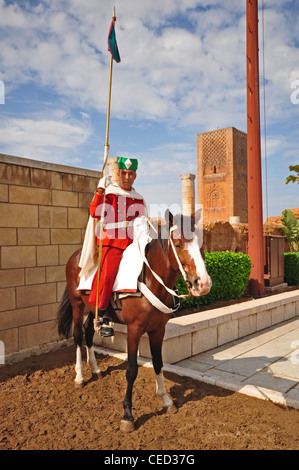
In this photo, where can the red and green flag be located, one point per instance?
(112, 44)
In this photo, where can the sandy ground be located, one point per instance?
(41, 409)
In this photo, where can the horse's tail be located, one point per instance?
(65, 315)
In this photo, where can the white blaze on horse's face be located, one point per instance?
(192, 261)
(200, 280)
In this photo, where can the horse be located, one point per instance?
(176, 246)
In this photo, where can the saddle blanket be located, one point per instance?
(131, 262)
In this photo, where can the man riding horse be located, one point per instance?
(178, 250)
(122, 206)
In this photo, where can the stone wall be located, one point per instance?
(222, 235)
(44, 212)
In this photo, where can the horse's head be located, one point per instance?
(187, 250)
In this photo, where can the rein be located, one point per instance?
(176, 256)
(148, 293)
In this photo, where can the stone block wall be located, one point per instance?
(44, 211)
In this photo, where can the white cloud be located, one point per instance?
(39, 139)
(60, 52)
(168, 73)
(183, 66)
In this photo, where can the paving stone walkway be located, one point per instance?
(264, 364)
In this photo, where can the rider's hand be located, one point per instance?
(104, 182)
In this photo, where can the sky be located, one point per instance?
(182, 72)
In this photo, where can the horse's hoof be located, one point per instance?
(172, 409)
(97, 375)
(127, 426)
(79, 385)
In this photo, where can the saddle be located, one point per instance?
(116, 297)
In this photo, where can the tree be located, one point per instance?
(290, 229)
(293, 178)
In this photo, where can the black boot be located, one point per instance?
(106, 330)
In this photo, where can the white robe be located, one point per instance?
(88, 260)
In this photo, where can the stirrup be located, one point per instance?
(106, 331)
(97, 325)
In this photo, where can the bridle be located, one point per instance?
(170, 241)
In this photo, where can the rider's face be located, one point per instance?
(127, 178)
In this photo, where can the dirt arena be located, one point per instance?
(41, 409)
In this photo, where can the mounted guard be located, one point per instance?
(122, 206)
(113, 210)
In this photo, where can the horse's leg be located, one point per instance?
(133, 338)
(78, 338)
(156, 339)
(89, 334)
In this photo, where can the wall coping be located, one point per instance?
(192, 322)
(48, 166)
(213, 317)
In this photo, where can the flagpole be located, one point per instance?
(104, 174)
(255, 205)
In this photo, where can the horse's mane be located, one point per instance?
(186, 227)
(163, 235)
(160, 237)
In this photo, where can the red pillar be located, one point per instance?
(255, 204)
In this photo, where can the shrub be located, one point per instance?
(291, 268)
(229, 272)
(290, 229)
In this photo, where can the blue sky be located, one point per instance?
(182, 72)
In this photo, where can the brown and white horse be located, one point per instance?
(178, 245)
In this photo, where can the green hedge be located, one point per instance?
(229, 272)
(291, 268)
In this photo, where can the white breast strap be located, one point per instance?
(154, 299)
(156, 276)
(146, 291)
